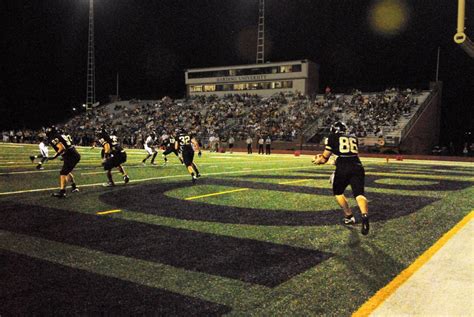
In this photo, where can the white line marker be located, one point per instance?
(155, 178)
(294, 182)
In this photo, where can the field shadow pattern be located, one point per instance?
(248, 260)
(152, 199)
(60, 291)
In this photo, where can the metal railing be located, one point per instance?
(406, 129)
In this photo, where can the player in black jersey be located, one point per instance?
(62, 144)
(186, 146)
(349, 170)
(113, 155)
(168, 146)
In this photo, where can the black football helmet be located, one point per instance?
(102, 134)
(52, 132)
(338, 127)
(179, 131)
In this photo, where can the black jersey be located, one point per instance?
(344, 146)
(113, 143)
(169, 142)
(65, 140)
(184, 143)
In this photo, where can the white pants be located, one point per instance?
(149, 150)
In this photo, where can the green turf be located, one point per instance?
(283, 184)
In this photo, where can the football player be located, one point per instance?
(113, 155)
(62, 144)
(186, 146)
(44, 152)
(168, 145)
(150, 148)
(349, 170)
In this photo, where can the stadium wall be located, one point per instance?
(299, 76)
(422, 133)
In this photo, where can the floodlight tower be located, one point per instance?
(90, 98)
(261, 33)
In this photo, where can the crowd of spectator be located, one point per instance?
(369, 114)
(283, 116)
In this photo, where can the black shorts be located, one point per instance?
(231, 145)
(115, 160)
(169, 151)
(353, 174)
(188, 157)
(70, 160)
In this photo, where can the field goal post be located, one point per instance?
(460, 37)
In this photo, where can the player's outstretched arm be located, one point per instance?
(322, 158)
(60, 150)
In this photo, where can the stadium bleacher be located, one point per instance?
(285, 117)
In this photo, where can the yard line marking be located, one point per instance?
(93, 173)
(108, 212)
(216, 194)
(293, 182)
(134, 166)
(155, 178)
(29, 172)
(370, 305)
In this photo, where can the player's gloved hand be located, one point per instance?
(317, 159)
(199, 153)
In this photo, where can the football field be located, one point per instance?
(256, 235)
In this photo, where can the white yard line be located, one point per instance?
(155, 178)
(141, 166)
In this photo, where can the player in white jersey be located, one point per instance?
(150, 148)
(43, 156)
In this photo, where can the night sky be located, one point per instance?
(150, 43)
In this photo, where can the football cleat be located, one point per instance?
(108, 184)
(59, 194)
(143, 163)
(126, 179)
(365, 225)
(39, 167)
(198, 175)
(194, 179)
(349, 220)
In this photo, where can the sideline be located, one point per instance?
(375, 301)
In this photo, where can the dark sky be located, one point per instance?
(150, 43)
